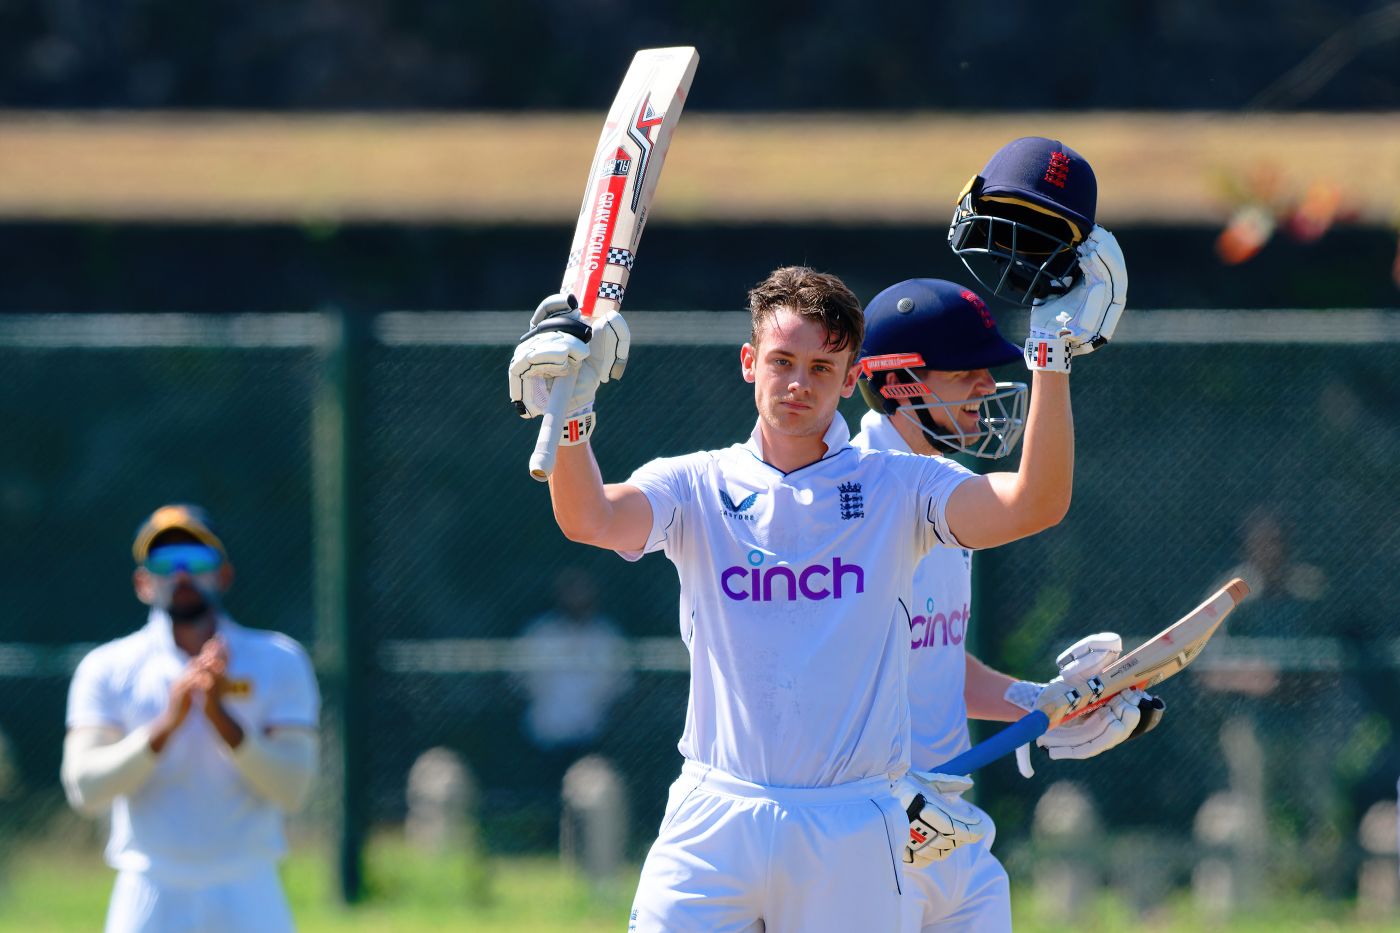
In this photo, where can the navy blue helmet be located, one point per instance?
(930, 324)
(1016, 225)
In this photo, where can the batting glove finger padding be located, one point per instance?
(561, 303)
(1152, 710)
(1078, 664)
(1084, 318)
(939, 819)
(1096, 732)
(556, 344)
(560, 341)
(612, 342)
(1102, 261)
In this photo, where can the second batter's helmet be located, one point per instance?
(934, 324)
(1016, 225)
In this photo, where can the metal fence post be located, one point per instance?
(341, 652)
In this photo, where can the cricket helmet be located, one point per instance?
(933, 324)
(1017, 224)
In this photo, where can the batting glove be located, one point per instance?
(939, 819)
(1129, 714)
(1085, 317)
(560, 341)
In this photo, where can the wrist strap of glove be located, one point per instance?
(578, 426)
(1023, 693)
(1047, 353)
(564, 320)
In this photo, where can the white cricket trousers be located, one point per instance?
(736, 857)
(253, 903)
(967, 892)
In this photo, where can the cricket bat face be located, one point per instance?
(616, 198)
(1146, 666)
(1149, 663)
(622, 179)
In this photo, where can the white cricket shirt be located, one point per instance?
(940, 612)
(791, 606)
(195, 820)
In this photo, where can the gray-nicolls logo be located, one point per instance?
(852, 504)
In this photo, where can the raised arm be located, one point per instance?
(1001, 507)
(560, 343)
(613, 516)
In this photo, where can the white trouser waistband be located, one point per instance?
(721, 782)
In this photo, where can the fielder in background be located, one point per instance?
(200, 735)
(795, 552)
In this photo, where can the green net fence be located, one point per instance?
(1206, 442)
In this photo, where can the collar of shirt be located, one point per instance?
(881, 433)
(836, 438)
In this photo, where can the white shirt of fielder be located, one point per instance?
(790, 603)
(195, 820)
(969, 890)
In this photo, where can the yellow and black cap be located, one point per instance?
(180, 516)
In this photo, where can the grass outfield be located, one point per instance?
(57, 891)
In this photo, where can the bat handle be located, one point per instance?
(551, 427)
(1026, 729)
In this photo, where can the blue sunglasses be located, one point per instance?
(191, 558)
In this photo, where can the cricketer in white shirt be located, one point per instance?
(790, 608)
(789, 603)
(194, 844)
(794, 551)
(969, 889)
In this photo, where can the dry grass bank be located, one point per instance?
(529, 168)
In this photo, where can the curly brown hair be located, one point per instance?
(816, 296)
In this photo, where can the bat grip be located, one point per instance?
(551, 427)
(1026, 729)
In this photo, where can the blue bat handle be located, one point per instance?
(1026, 729)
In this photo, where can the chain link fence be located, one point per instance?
(1206, 441)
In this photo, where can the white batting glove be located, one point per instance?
(939, 819)
(1128, 715)
(1095, 733)
(560, 341)
(1084, 318)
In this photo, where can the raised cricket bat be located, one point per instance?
(616, 198)
(1144, 667)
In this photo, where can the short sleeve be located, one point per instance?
(294, 698)
(91, 699)
(667, 484)
(938, 478)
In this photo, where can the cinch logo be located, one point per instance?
(1057, 172)
(938, 629)
(737, 511)
(764, 585)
